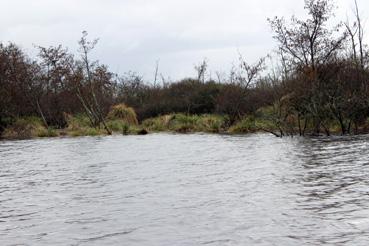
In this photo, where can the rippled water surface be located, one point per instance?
(164, 189)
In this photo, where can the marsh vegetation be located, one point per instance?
(320, 86)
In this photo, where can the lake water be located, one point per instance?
(197, 189)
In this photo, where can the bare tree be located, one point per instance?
(309, 42)
(93, 107)
(307, 45)
(201, 70)
(248, 74)
(156, 74)
(360, 34)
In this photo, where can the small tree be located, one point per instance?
(87, 67)
(201, 70)
(307, 45)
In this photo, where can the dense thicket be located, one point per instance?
(322, 81)
(57, 84)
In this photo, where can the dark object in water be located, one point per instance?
(142, 132)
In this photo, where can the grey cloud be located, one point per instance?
(135, 33)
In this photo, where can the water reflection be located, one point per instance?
(185, 190)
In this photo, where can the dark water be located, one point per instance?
(185, 190)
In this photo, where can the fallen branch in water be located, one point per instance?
(270, 131)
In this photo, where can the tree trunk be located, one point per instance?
(41, 113)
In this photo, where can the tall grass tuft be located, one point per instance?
(123, 113)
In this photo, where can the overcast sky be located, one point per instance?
(134, 34)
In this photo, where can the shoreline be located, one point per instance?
(225, 133)
(79, 125)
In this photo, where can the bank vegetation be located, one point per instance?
(320, 85)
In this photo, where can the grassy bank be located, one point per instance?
(122, 120)
(79, 125)
(182, 123)
(32, 127)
